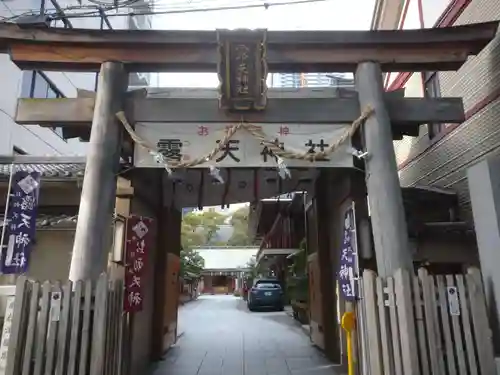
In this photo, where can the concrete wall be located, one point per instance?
(51, 256)
(35, 140)
(484, 185)
(443, 160)
(449, 249)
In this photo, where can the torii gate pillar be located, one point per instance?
(95, 215)
(388, 219)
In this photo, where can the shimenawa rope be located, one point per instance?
(257, 133)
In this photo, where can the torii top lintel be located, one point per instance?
(287, 51)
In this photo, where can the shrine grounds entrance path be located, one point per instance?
(221, 337)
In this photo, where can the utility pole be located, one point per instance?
(390, 232)
(95, 216)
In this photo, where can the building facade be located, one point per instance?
(442, 153)
(310, 80)
(35, 140)
(225, 268)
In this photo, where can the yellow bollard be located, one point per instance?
(348, 324)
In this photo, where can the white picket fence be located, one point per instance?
(429, 325)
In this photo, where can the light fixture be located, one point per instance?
(119, 228)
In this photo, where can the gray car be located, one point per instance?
(266, 293)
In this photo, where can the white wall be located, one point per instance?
(36, 140)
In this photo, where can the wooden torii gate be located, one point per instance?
(367, 53)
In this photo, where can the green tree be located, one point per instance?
(252, 267)
(239, 221)
(240, 216)
(211, 221)
(200, 228)
(197, 229)
(191, 262)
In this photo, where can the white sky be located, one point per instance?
(325, 15)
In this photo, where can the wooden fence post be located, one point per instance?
(17, 329)
(455, 326)
(388, 363)
(466, 323)
(64, 329)
(431, 323)
(85, 336)
(98, 353)
(419, 319)
(373, 325)
(30, 332)
(75, 324)
(406, 319)
(394, 325)
(482, 330)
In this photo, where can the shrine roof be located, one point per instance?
(50, 167)
(226, 258)
(47, 171)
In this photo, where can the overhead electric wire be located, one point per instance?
(161, 5)
(96, 12)
(117, 3)
(197, 10)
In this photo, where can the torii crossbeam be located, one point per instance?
(287, 51)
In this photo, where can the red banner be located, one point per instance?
(137, 245)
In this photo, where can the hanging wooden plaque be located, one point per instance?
(242, 69)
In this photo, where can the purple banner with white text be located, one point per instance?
(347, 276)
(20, 223)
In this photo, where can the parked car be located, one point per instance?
(266, 293)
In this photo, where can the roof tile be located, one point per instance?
(47, 170)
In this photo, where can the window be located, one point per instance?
(36, 84)
(267, 285)
(432, 90)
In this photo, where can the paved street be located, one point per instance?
(221, 337)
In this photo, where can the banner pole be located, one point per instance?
(359, 305)
(6, 212)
